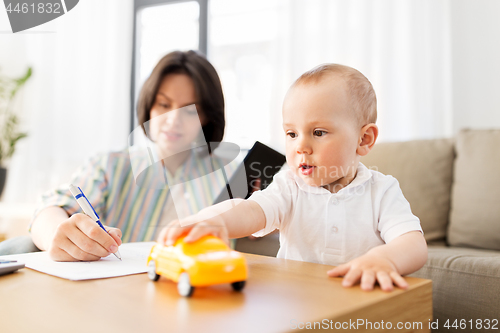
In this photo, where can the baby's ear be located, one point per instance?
(367, 137)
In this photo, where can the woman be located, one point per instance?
(181, 107)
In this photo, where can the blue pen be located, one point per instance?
(88, 209)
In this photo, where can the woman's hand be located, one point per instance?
(195, 230)
(80, 238)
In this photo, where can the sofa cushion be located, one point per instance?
(424, 169)
(465, 284)
(475, 206)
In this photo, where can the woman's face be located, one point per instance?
(172, 129)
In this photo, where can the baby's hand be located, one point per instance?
(369, 268)
(213, 226)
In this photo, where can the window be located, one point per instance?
(246, 57)
(159, 28)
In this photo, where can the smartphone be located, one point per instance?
(9, 266)
(261, 162)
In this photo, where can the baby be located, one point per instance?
(329, 207)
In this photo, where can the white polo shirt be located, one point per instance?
(332, 228)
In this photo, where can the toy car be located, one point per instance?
(204, 262)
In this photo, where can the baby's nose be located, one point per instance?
(303, 148)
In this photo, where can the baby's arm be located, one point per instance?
(385, 263)
(229, 219)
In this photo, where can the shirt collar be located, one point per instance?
(182, 173)
(363, 174)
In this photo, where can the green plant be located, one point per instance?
(9, 122)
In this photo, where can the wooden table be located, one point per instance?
(280, 296)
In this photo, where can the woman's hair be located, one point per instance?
(208, 89)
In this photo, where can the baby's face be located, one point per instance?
(321, 134)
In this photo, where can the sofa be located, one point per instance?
(453, 186)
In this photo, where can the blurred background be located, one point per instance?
(434, 65)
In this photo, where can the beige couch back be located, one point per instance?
(424, 169)
(475, 207)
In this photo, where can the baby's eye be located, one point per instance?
(319, 132)
(165, 106)
(291, 134)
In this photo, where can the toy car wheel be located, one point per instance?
(238, 286)
(184, 285)
(152, 271)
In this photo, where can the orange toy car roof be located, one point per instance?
(204, 245)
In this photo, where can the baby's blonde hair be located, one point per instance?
(359, 88)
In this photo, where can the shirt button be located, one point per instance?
(334, 201)
(335, 229)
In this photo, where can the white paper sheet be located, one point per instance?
(134, 256)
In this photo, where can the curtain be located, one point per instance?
(401, 46)
(77, 103)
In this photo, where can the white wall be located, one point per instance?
(475, 28)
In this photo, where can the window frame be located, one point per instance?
(202, 42)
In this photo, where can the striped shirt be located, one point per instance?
(129, 193)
